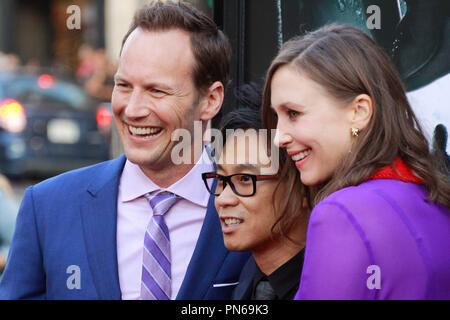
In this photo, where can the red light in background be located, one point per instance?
(45, 81)
(104, 117)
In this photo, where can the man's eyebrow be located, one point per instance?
(241, 167)
(119, 77)
(160, 85)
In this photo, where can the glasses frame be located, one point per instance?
(227, 181)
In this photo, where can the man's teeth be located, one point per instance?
(301, 155)
(231, 221)
(144, 131)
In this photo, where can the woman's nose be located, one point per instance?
(281, 139)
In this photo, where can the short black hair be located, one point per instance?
(247, 115)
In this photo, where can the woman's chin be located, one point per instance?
(310, 181)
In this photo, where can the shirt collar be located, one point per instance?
(285, 280)
(134, 183)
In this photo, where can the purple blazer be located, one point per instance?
(378, 240)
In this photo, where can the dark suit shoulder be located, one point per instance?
(243, 290)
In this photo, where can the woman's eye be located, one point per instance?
(292, 113)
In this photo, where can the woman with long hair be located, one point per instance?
(380, 225)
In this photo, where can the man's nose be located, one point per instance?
(137, 106)
(227, 197)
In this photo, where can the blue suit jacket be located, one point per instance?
(66, 232)
(243, 290)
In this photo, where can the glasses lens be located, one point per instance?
(209, 182)
(219, 187)
(243, 184)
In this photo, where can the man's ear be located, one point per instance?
(361, 111)
(212, 100)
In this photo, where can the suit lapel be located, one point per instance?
(207, 258)
(243, 290)
(99, 218)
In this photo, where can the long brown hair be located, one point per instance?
(347, 62)
(291, 200)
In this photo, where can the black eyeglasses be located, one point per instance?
(242, 184)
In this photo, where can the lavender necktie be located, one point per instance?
(156, 274)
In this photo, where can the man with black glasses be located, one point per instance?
(259, 211)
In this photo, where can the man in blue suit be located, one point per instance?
(87, 234)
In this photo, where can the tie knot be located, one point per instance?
(161, 202)
(264, 291)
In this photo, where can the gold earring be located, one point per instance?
(355, 132)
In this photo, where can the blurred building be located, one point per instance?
(36, 30)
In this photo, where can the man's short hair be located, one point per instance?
(248, 114)
(210, 46)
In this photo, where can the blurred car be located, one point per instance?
(48, 126)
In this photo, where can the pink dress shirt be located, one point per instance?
(184, 220)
